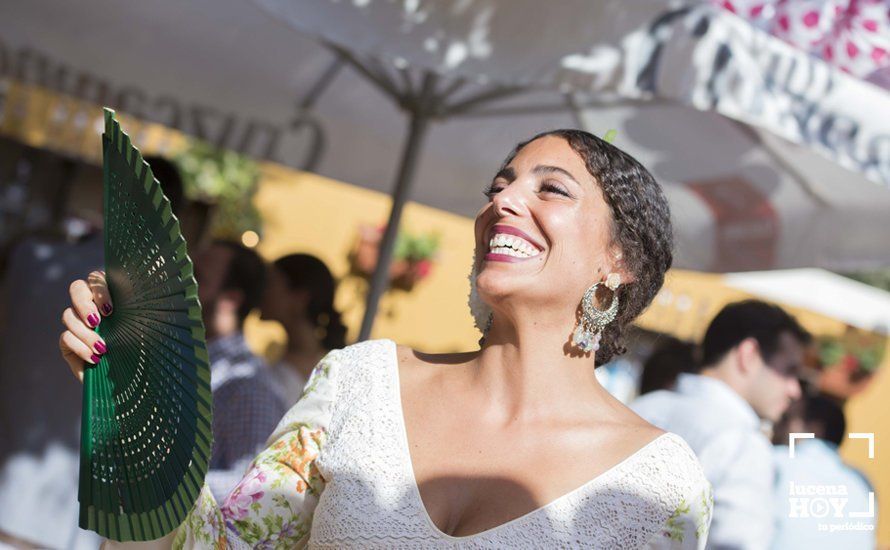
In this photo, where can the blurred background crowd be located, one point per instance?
(326, 160)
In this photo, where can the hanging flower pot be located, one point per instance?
(412, 258)
(408, 273)
(849, 365)
(844, 380)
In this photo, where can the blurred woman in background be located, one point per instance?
(300, 296)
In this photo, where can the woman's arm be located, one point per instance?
(274, 503)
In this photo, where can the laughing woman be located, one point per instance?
(514, 445)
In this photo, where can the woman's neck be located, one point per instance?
(304, 349)
(530, 369)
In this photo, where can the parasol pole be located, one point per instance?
(419, 118)
(423, 106)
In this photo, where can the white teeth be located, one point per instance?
(511, 245)
(505, 251)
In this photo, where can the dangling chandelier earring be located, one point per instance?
(589, 331)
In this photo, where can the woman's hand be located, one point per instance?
(90, 302)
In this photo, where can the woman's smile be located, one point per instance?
(510, 244)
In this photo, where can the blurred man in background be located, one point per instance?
(750, 357)
(817, 466)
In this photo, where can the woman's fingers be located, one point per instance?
(99, 288)
(75, 353)
(85, 334)
(80, 344)
(82, 302)
(90, 298)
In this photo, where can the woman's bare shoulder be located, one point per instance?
(641, 426)
(634, 430)
(622, 416)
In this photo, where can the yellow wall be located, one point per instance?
(689, 300)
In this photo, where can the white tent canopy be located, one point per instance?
(686, 52)
(820, 291)
(228, 72)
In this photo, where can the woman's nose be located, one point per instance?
(509, 201)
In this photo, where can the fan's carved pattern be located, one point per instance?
(147, 404)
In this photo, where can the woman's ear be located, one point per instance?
(617, 266)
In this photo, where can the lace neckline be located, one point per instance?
(407, 465)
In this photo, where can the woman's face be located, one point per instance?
(277, 297)
(544, 236)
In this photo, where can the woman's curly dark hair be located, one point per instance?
(641, 227)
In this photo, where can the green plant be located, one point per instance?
(226, 179)
(414, 248)
(865, 358)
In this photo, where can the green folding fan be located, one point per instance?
(146, 423)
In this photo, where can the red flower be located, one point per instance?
(850, 363)
(423, 268)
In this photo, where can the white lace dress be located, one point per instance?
(338, 474)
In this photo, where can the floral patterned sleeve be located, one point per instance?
(272, 506)
(687, 527)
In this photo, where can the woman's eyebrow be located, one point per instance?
(543, 169)
(508, 174)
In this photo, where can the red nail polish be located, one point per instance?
(95, 358)
(100, 348)
(106, 308)
(92, 320)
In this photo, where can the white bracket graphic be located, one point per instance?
(871, 508)
(794, 436)
(871, 441)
